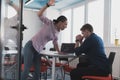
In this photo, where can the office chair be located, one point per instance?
(109, 77)
(61, 66)
(67, 69)
(43, 69)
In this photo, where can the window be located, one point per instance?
(96, 16)
(66, 34)
(115, 20)
(78, 20)
(77, 17)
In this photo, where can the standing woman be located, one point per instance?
(33, 47)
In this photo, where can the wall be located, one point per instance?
(116, 63)
(32, 22)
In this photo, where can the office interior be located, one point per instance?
(102, 14)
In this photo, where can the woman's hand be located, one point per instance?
(51, 2)
(60, 52)
(9, 2)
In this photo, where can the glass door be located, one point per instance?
(10, 38)
(0, 41)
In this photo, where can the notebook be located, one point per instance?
(67, 48)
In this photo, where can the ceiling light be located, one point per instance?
(28, 2)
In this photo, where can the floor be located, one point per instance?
(11, 75)
(58, 75)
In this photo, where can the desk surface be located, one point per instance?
(56, 54)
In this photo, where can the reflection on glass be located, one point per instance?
(10, 52)
(12, 12)
(11, 24)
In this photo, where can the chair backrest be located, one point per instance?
(111, 59)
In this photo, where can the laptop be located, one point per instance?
(68, 48)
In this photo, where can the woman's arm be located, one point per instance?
(56, 47)
(41, 11)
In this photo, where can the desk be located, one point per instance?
(54, 55)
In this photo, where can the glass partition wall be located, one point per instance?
(0, 40)
(10, 38)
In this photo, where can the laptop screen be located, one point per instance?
(67, 47)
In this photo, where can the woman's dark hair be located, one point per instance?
(87, 27)
(60, 18)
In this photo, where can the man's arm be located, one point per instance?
(79, 39)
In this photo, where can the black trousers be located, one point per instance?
(76, 74)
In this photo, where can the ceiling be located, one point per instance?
(59, 4)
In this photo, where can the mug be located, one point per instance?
(116, 42)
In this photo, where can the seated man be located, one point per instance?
(93, 47)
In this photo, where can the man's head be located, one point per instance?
(86, 30)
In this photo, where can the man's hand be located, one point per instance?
(79, 38)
